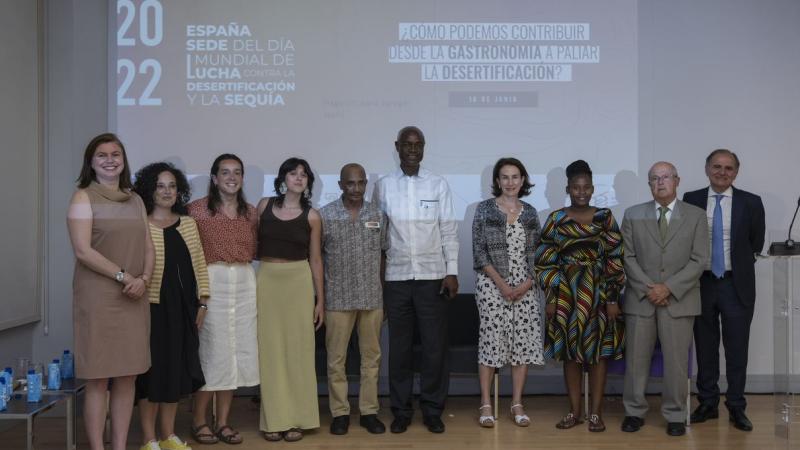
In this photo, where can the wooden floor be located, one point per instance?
(463, 432)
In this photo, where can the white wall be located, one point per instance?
(19, 177)
(723, 73)
(76, 46)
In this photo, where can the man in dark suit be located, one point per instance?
(728, 287)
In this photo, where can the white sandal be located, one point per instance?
(522, 420)
(486, 421)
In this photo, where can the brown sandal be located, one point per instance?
(293, 435)
(203, 438)
(233, 439)
(273, 436)
(568, 421)
(596, 424)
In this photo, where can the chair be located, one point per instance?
(463, 329)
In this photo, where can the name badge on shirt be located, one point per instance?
(428, 204)
(372, 224)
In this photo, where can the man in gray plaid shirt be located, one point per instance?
(353, 237)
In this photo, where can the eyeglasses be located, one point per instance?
(405, 145)
(663, 178)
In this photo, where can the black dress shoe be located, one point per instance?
(676, 429)
(703, 413)
(372, 424)
(400, 424)
(740, 420)
(434, 424)
(340, 425)
(632, 424)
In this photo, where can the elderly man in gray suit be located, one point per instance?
(666, 251)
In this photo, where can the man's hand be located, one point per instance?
(658, 294)
(450, 284)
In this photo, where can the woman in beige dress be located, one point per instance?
(291, 303)
(108, 229)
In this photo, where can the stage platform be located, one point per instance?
(463, 432)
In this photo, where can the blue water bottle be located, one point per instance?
(8, 375)
(53, 376)
(34, 386)
(3, 393)
(67, 366)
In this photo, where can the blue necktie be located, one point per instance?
(717, 246)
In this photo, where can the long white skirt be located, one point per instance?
(228, 338)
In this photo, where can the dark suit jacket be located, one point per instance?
(747, 237)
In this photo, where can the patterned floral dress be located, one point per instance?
(580, 269)
(510, 332)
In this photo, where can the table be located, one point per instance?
(71, 388)
(20, 409)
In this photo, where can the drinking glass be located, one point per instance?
(23, 364)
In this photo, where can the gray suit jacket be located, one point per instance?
(677, 262)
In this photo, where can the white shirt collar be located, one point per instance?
(423, 173)
(727, 192)
(671, 206)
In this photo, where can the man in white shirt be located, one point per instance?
(420, 278)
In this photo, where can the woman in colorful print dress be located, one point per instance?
(579, 266)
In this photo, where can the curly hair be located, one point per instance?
(411, 129)
(578, 167)
(288, 166)
(147, 179)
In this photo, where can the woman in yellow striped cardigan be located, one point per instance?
(178, 293)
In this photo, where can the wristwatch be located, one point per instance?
(119, 276)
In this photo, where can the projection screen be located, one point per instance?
(333, 82)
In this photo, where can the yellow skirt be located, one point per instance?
(286, 347)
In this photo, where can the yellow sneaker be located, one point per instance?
(173, 443)
(152, 445)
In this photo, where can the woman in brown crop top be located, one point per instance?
(288, 282)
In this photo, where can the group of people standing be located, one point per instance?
(212, 324)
